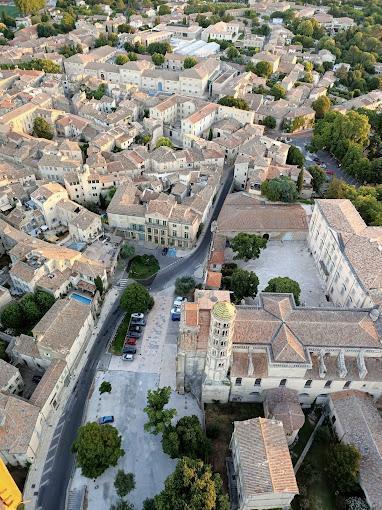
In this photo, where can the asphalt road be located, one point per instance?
(60, 463)
(55, 481)
(302, 139)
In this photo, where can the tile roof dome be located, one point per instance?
(223, 310)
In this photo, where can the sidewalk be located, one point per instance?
(53, 424)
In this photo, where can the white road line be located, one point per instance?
(44, 483)
(46, 471)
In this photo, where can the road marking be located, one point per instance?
(46, 471)
(44, 483)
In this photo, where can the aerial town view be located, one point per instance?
(190, 255)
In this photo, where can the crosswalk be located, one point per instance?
(122, 284)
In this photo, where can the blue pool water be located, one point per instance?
(81, 298)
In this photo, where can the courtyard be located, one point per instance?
(153, 366)
(287, 258)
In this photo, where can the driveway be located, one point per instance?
(292, 259)
(301, 139)
(153, 366)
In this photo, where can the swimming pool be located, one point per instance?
(81, 298)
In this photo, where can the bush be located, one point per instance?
(184, 285)
(105, 387)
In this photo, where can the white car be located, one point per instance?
(137, 315)
(178, 301)
(128, 357)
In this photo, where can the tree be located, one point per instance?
(97, 447)
(105, 387)
(99, 284)
(30, 311)
(189, 62)
(149, 504)
(193, 486)
(186, 439)
(122, 505)
(284, 284)
(46, 30)
(132, 56)
(184, 285)
(232, 53)
(342, 466)
(68, 22)
(127, 251)
(44, 300)
(300, 180)
(121, 59)
(281, 189)
(12, 316)
(269, 122)
(42, 129)
(247, 246)
(278, 91)
(321, 106)
(158, 417)
(264, 69)
(163, 10)
(164, 141)
(157, 58)
(295, 156)
(159, 47)
(243, 284)
(318, 177)
(29, 6)
(136, 299)
(234, 102)
(124, 483)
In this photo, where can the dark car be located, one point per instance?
(129, 349)
(135, 327)
(106, 419)
(134, 334)
(138, 322)
(36, 378)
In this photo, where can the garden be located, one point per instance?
(142, 267)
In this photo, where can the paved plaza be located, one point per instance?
(153, 366)
(288, 258)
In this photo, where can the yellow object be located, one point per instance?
(10, 495)
(224, 310)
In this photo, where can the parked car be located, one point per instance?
(137, 315)
(330, 172)
(134, 327)
(175, 314)
(316, 159)
(138, 322)
(130, 341)
(179, 300)
(106, 419)
(133, 334)
(128, 357)
(129, 349)
(36, 378)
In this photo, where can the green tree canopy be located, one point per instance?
(159, 47)
(12, 316)
(189, 62)
(186, 439)
(163, 10)
(29, 6)
(234, 102)
(99, 284)
(281, 189)
(247, 246)
(295, 157)
(193, 486)
(157, 58)
(263, 69)
(136, 299)
(278, 91)
(284, 284)
(122, 505)
(269, 122)
(158, 417)
(105, 387)
(184, 285)
(42, 129)
(243, 284)
(121, 59)
(321, 106)
(124, 483)
(97, 447)
(164, 141)
(342, 466)
(318, 177)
